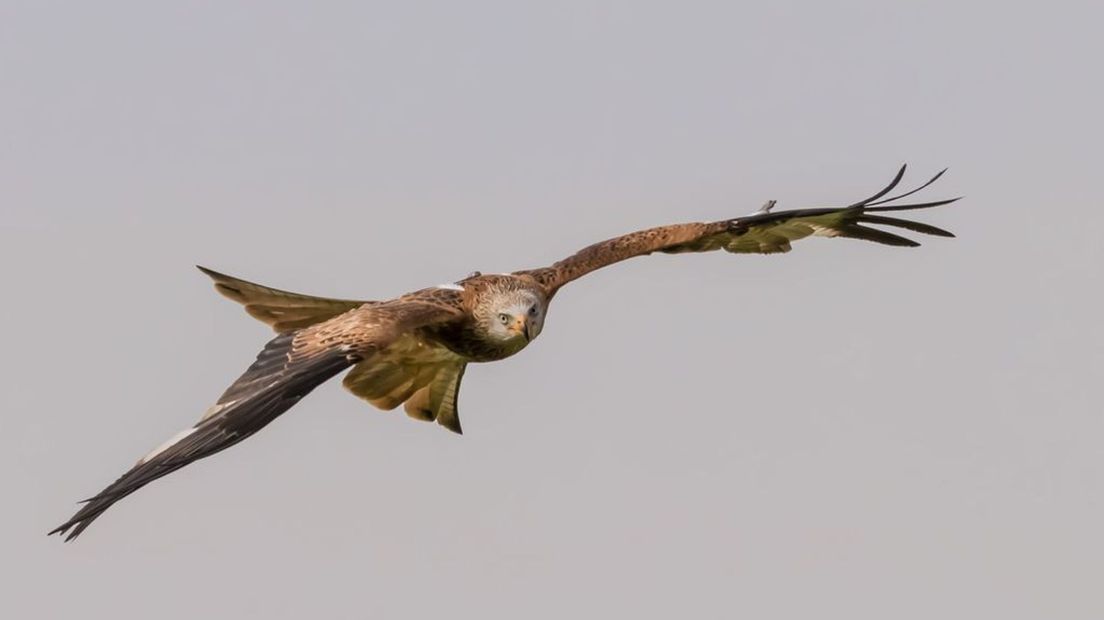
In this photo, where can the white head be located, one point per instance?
(512, 316)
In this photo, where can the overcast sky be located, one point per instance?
(846, 431)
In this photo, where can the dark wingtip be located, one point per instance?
(908, 193)
(74, 526)
(936, 177)
(919, 227)
(63, 530)
(909, 207)
(885, 190)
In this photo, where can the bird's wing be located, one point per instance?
(281, 310)
(763, 232)
(286, 370)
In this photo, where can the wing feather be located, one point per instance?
(919, 227)
(288, 368)
(265, 391)
(762, 232)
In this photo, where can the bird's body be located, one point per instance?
(413, 350)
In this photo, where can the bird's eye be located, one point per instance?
(532, 311)
(504, 318)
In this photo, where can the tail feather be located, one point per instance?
(282, 310)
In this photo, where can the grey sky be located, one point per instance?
(846, 431)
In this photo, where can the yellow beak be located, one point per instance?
(520, 326)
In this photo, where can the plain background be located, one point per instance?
(846, 431)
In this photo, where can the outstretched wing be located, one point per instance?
(286, 370)
(763, 232)
(282, 310)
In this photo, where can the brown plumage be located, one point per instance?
(413, 350)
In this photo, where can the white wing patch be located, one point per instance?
(214, 410)
(451, 286)
(168, 444)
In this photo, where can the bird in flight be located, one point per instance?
(412, 350)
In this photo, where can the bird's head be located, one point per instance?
(511, 315)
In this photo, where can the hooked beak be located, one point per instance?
(521, 327)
